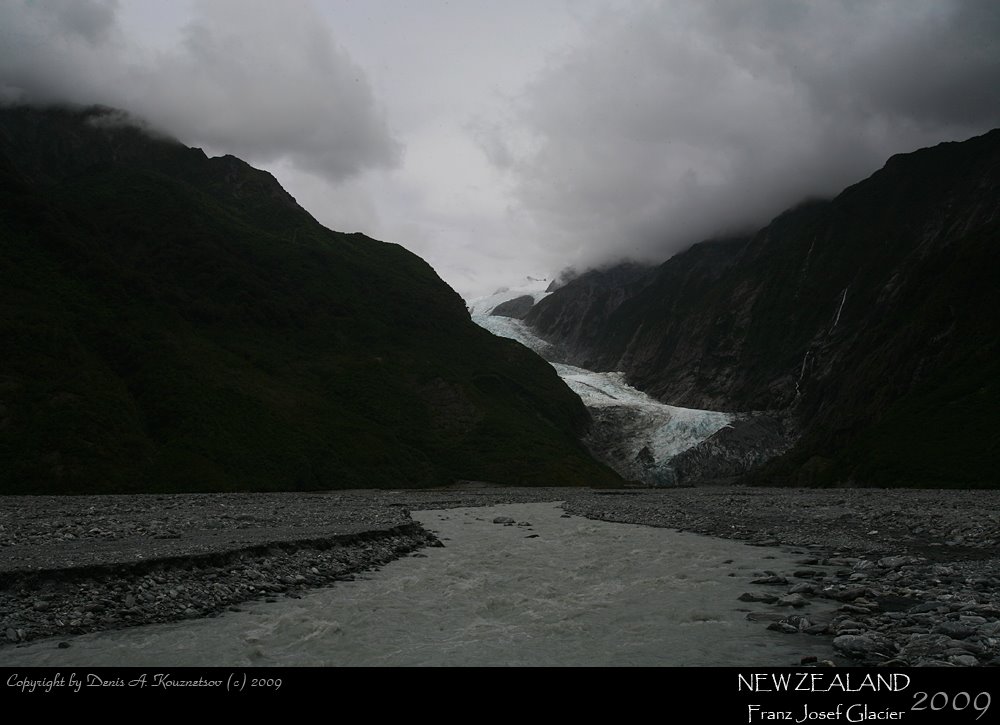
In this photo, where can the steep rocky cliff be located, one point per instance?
(577, 320)
(869, 320)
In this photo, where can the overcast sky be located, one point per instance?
(517, 137)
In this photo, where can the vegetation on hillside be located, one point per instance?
(171, 322)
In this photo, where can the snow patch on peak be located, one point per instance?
(483, 306)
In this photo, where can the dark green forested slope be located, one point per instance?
(172, 322)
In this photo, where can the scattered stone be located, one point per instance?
(848, 595)
(783, 627)
(848, 625)
(963, 660)
(990, 629)
(895, 562)
(955, 630)
(755, 597)
(800, 622)
(841, 562)
(792, 600)
(860, 645)
(855, 609)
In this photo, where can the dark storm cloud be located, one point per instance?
(947, 71)
(676, 121)
(259, 79)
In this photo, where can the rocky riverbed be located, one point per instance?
(914, 575)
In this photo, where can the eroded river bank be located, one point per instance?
(905, 577)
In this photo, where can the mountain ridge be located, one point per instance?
(836, 313)
(180, 323)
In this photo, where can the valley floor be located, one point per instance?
(912, 575)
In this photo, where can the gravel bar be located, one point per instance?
(915, 573)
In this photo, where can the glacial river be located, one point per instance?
(560, 591)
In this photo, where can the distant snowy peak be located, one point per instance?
(531, 287)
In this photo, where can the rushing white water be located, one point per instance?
(579, 592)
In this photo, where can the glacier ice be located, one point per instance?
(634, 433)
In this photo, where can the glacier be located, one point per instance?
(633, 433)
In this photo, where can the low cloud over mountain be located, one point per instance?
(672, 122)
(257, 79)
